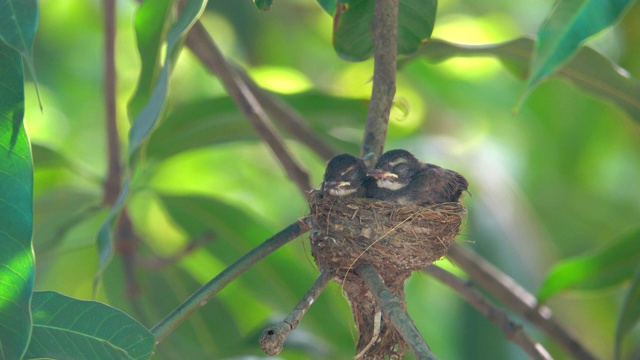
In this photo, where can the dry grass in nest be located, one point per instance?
(391, 237)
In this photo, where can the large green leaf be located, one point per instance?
(608, 266)
(150, 114)
(68, 328)
(630, 313)
(215, 121)
(588, 69)
(16, 210)
(151, 24)
(18, 24)
(568, 25)
(352, 35)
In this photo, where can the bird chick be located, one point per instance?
(403, 179)
(344, 176)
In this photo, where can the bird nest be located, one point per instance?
(395, 239)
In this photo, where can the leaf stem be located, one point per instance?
(210, 289)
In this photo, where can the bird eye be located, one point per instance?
(402, 170)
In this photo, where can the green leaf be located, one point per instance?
(329, 6)
(68, 328)
(263, 5)
(216, 121)
(151, 24)
(18, 24)
(150, 113)
(352, 35)
(569, 24)
(16, 210)
(105, 237)
(610, 265)
(45, 157)
(630, 313)
(588, 69)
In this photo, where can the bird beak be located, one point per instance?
(381, 174)
(336, 184)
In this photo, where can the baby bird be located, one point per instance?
(345, 176)
(403, 179)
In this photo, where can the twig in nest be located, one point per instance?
(273, 337)
(206, 49)
(491, 311)
(515, 297)
(394, 312)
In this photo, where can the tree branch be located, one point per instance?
(273, 337)
(515, 297)
(113, 180)
(205, 48)
(288, 118)
(210, 289)
(385, 41)
(512, 330)
(393, 311)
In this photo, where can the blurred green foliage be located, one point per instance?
(554, 180)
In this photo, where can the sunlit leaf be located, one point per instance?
(16, 211)
(328, 5)
(152, 21)
(68, 328)
(352, 35)
(216, 121)
(588, 69)
(630, 313)
(618, 259)
(569, 24)
(263, 4)
(18, 24)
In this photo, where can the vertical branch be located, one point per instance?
(385, 41)
(114, 171)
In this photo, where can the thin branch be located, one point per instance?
(273, 337)
(395, 313)
(385, 41)
(288, 118)
(114, 172)
(515, 297)
(210, 289)
(512, 330)
(205, 48)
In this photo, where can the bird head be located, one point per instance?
(344, 176)
(395, 169)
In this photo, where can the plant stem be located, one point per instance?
(385, 41)
(210, 289)
(512, 330)
(113, 180)
(393, 311)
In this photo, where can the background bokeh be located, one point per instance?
(557, 178)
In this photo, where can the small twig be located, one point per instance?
(385, 41)
(273, 337)
(512, 330)
(515, 297)
(210, 289)
(393, 311)
(206, 49)
(288, 118)
(114, 172)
